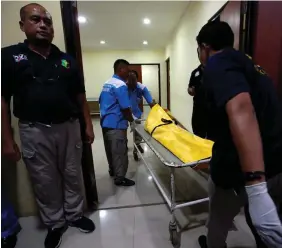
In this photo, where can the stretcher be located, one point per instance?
(172, 162)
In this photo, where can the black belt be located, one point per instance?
(48, 123)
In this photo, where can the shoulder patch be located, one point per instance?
(116, 82)
(197, 73)
(19, 57)
(141, 86)
(258, 68)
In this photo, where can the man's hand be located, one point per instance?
(11, 151)
(89, 133)
(264, 215)
(191, 91)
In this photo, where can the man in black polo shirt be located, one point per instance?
(248, 140)
(199, 117)
(48, 96)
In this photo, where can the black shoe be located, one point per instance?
(203, 241)
(111, 173)
(54, 237)
(140, 149)
(84, 225)
(135, 156)
(124, 182)
(9, 242)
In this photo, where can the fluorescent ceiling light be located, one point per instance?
(102, 42)
(146, 21)
(82, 19)
(145, 42)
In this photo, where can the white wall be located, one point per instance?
(98, 67)
(15, 179)
(151, 80)
(182, 51)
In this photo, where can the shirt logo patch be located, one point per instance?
(65, 63)
(258, 68)
(197, 74)
(20, 57)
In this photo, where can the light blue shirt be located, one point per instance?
(113, 99)
(136, 96)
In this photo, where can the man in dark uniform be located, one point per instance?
(48, 95)
(199, 116)
(245, 165)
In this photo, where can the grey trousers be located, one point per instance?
(224, 205)
(115, 142)
(53, 159)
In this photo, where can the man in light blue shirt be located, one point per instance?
(115, 109)
(136, 92)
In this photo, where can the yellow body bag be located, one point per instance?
(183, 144)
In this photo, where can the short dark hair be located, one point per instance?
(120, 63)
(135, 72)
(22, 10)
(217, 35)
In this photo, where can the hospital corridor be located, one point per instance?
(108, 124)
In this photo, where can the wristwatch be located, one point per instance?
(253, 175)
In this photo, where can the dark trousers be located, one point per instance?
(199, 121)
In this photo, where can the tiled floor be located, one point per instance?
(137, 217)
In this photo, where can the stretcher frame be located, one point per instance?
(173, 164)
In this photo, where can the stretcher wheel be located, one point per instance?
(174, 236)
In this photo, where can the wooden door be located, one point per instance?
(138, 69)
(73, 47)
(232, 15)
(267, 39)
(168, 82)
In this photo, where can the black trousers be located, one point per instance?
(199, 121)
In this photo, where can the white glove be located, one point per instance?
(132, 126)
(264, 215)
(136, 120)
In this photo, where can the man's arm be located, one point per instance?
(246, 136)
(231, 91)
(79, 90)
(245, 132)
(124, 102)
(148, 97)
(87, 117)
(6, 129)
(9, 147)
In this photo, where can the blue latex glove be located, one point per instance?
(264, 215)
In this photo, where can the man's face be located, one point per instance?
(132, 80)
(124, 72)
(37, 24)
(203, 54)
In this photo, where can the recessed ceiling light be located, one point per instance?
(102, 42)
(145, 42)
(82, 19)
(146, 21)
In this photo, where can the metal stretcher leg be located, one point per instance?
(174, 235)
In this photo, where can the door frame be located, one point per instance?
(167, 63)
(159, 76)
(73, 48)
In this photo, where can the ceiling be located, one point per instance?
(120, 24)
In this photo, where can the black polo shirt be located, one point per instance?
(226, 75)
(43, 89)
(196, 80)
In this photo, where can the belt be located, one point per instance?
(47, 123)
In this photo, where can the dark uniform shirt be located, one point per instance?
(226, 75)
(43, 89)
(196, 81)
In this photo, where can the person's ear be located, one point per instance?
(21, 25)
